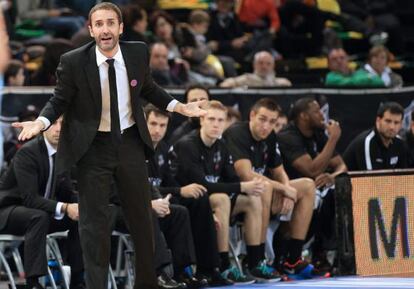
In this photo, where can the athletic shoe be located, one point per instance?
(303, 270)
(263, 274)
(235, 275)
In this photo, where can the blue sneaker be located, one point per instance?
(302, 270)
(235, 275)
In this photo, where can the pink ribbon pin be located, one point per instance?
(134, 82)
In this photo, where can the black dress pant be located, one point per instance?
(35, 225)
(204, 232)
(124, 163)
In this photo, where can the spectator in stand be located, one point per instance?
(59, 20)
(378, 59)
(161, 71)
(281, 122)
(46, 75)
(135, 23)
(193, 45)
(262, 15)
(14, 74)
(225, 33)
(263, 74)
(163, 27)
(376, 16)
(379, 148)
(341, 74)
(192, 94)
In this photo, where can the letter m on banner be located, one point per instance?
(388, 238)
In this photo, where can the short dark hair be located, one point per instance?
(232, 112)
(299, 106)
(391, 106)
(160, 14)
(132, 13)
(13, 68)
(196, 86)
(267, 103)
(105, 6)
(152, 108)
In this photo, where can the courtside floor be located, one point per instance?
(338, 282)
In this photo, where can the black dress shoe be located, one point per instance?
(215, 279)
(192, 282)
(166, 282)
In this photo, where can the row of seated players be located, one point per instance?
(205, 180)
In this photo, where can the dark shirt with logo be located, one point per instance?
(159, 175)
(367, 152)
(194, 162)
(263, 155)
(293, 144)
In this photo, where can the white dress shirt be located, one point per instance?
(50, 152)
(122, 85)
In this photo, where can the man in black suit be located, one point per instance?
(34, 203)
(100, 90)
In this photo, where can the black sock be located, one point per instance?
(295, 247)
(224, 261)
(280, 249)
(262, 251)
(253, 255)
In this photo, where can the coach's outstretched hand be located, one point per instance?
(29, 129)
(191, 109)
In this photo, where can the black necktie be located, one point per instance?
(115, 126)
(52, 179)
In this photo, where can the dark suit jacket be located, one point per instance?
(78, 96)
(24, 182)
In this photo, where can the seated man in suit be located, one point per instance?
(34, 203)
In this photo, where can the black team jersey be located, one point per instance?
(159, 175)
(293, 144)
(263, 155)
(194, 162)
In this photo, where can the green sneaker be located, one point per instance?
(235, 275)
(262, 274)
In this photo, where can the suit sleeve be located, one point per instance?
(151, 92)
(65, 90)
(26, 172)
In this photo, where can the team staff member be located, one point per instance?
(100, 91)
(379, 148)
(203, 157)
(256, 154)
(33, 203)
